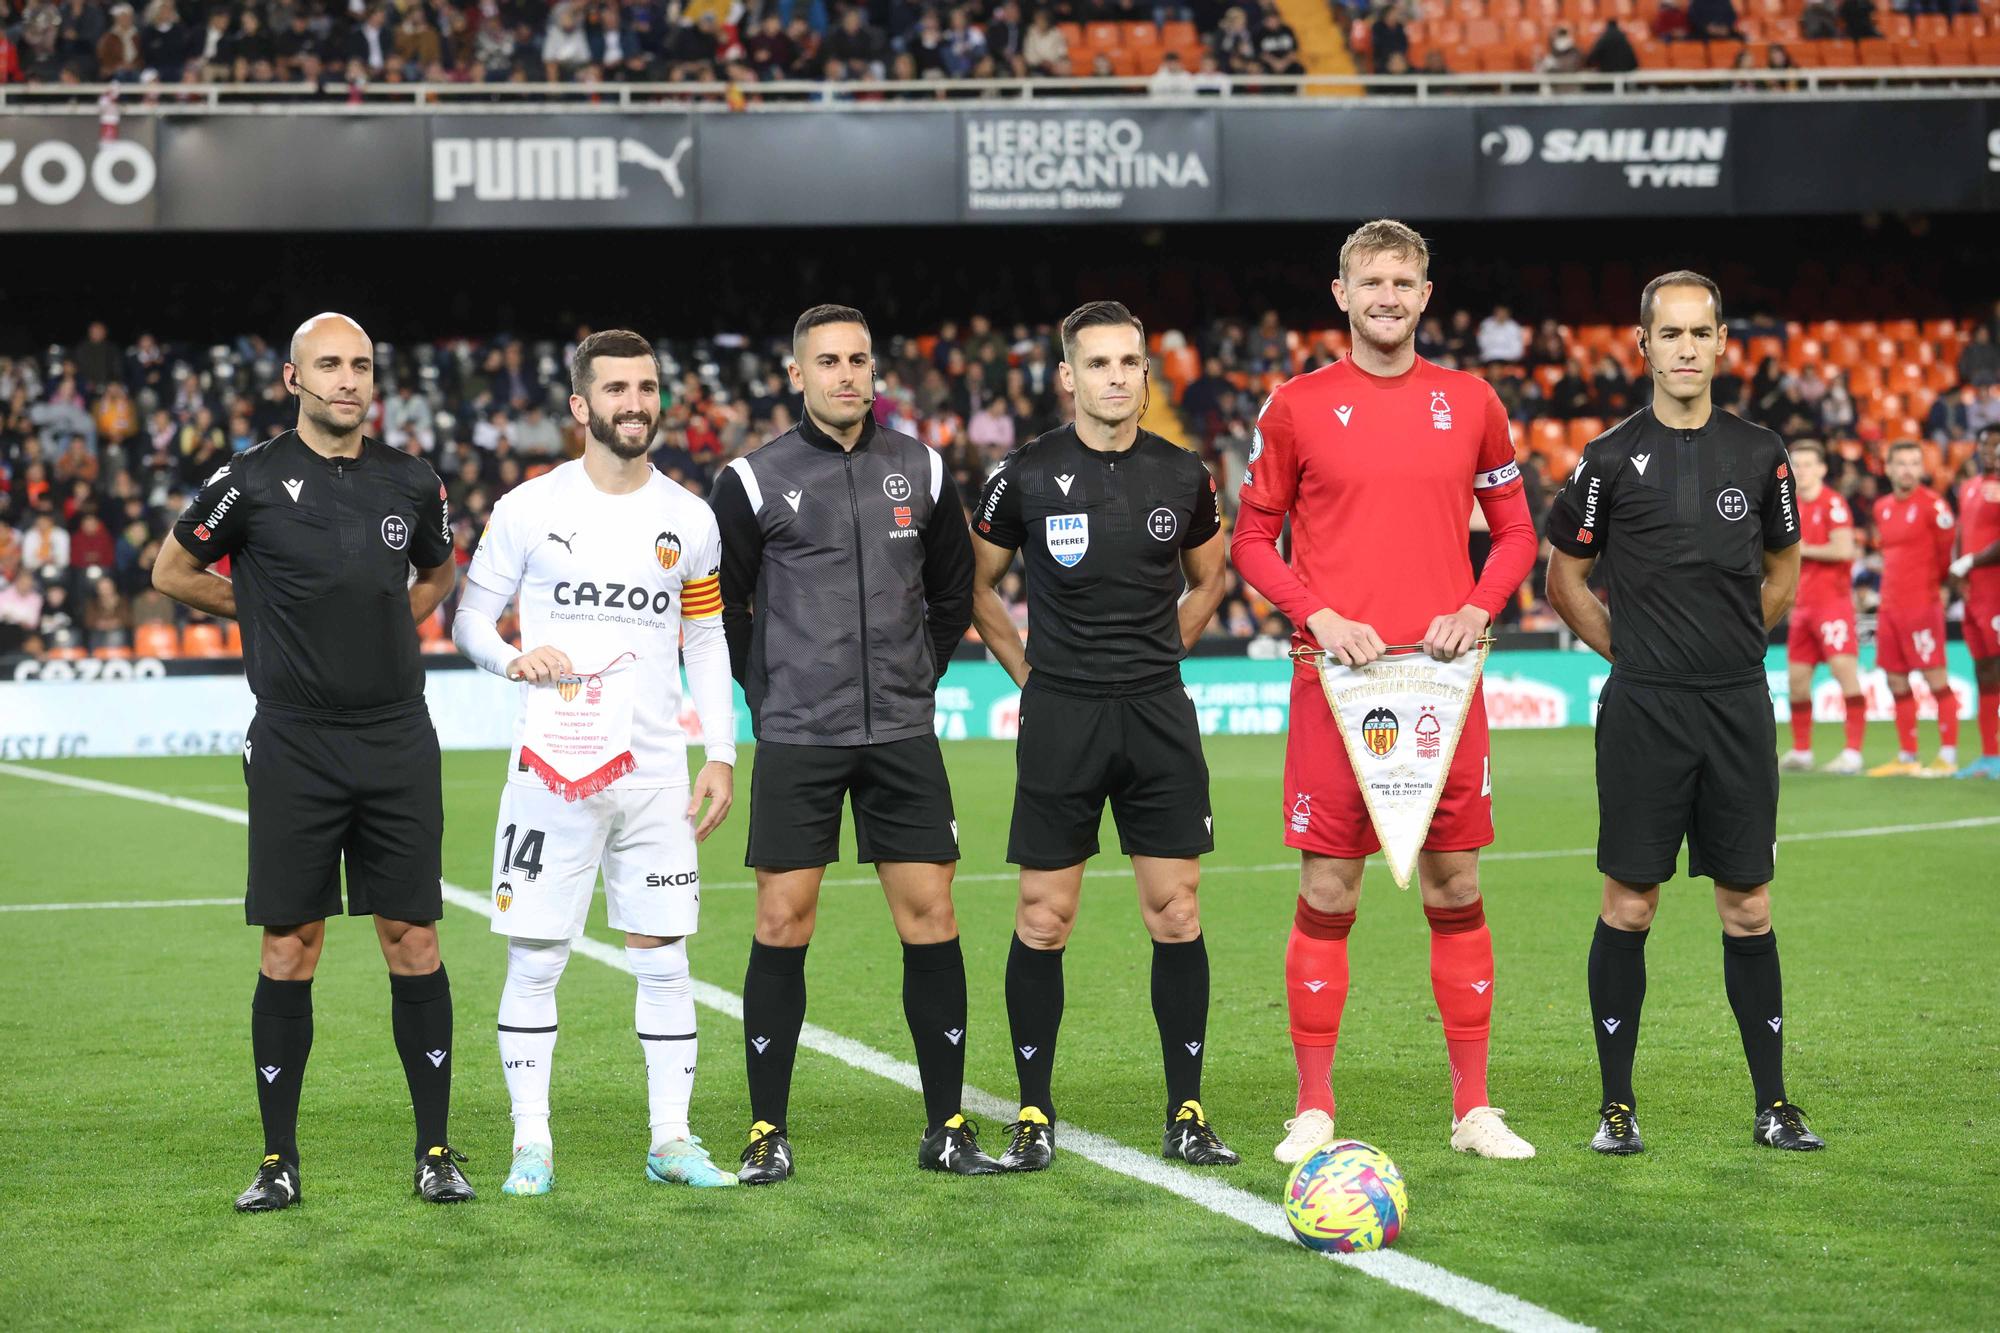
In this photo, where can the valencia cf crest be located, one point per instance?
(567, 687)
(667, 550)
(1378, 732)
(503, 897)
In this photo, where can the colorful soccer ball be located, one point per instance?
(1346, 1197)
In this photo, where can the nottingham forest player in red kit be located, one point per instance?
(1978, 564)
(1378, 459)
(1822, 628)
(1914, 531)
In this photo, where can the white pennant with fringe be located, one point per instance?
(1401, 718)
(577, 735)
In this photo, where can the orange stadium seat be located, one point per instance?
(1142, 36)
(1722, 55)
(1179, 34)
(156, 640)
(112, 653)
(1580, 12)
(202, 640)
(1687, 55)
(232, 639)
(1974, 26)
(1781, 30)
(1510, 11)
(1877, 52)
(1903, 330)
(1482, 32)
(1838, 53)
(67, 654)
(1931, 26)
(1548, 436)
(1524, 31)
(1895, 27)
(1951, 51)
(1986, 50)
(1104, 36)
(1583, 430)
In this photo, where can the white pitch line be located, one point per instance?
(1473, 1299)
(144, 902)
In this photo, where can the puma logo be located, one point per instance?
(564, 542)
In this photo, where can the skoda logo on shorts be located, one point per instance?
(896, 486)
(395, 532)
(1731, 504)
(1163, 524)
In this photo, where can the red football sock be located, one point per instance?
(1802, 724)
(1906, 723)
(1989, 723)
(1857, 721)
(1947, 710)
(1315, 993)
(1462, 980)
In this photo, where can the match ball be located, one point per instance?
(1348, 1197)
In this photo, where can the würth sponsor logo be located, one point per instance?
(550, 169)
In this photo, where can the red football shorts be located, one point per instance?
(1909, 638)
(1820, 633)
(1982, 624)
(1323, 809)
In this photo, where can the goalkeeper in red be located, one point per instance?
(1378, 460)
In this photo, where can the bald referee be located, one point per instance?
(1695, 510)
(322, 527)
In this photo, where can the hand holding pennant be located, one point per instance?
(1400, 717)
(577, 735)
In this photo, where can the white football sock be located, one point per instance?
(528, 1032)
(1947, 754)
(664, 1016)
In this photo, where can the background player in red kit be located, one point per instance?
(1378, 459)
(1978, 564)
(1823, 618)
(1913, 528)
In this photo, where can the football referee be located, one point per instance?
(1112, 522)
(1695, 510)
(846, 583)
(322, 526)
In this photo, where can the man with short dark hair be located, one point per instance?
(1695, 508)
(1822, 622)
(1978, 564)
(1113, 523)
(1913, 532)
(846, 583)
(322, 526)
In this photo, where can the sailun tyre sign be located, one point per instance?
(1120, 165)
(1534, 161)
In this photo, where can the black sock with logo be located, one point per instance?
(1180, 1007)
(934, 1005)
(1757, 994)
(281, 1037)
(1034, 1016)
(774, 1009)
(420, 1016)
(1617, 975)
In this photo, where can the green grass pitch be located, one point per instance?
(132, 1123)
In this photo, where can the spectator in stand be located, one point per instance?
(1561, 55)
(535, 435)
(107, 620)
(1950, 416)
(1549, 347)
(1388, 38)
(1780, 58)
(212, 49)
(1713, 20)
(1277, 44)
(964, 44)
(1612, 52)
(1570, 398)
(1857, 17)
(1615, 395)
(1818, 21)
(1045, 48)
(20, 612)
(371, 44)
(1670, 21)
(416, 44)
(768, 50)
(1836, 411)
(1979, 362)
(92, 546)
(97, 358)
(1003, 31)
(565, 48)
(10, 59)
(1501, 338)
(58, 628)
(1985, 412)
(250, 52)
(1234, 46)
(854, 43)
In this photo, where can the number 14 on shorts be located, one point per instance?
(527, 857)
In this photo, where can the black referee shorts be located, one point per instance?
(323, 792)
(902, 803)
(1699, 763)
(1141, 750)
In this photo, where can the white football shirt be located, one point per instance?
(602, 575)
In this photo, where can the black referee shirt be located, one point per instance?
(1682, 519)
(320, 553)
(1101, 535)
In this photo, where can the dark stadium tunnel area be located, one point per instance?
(693, 283)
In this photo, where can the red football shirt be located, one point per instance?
(1914, 535)
(1979, 518)
(1825, 584)
(1379, 475)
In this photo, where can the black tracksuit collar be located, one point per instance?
(810, 432)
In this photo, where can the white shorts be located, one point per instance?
(547, 852)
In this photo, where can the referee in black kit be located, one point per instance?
(1695, 509)
(846, 583)
(322, 526)
(1113, 523)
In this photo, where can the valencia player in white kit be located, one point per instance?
(617, 570)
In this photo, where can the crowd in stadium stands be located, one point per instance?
(1182, 47)
(336, 49)
(102, 441)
